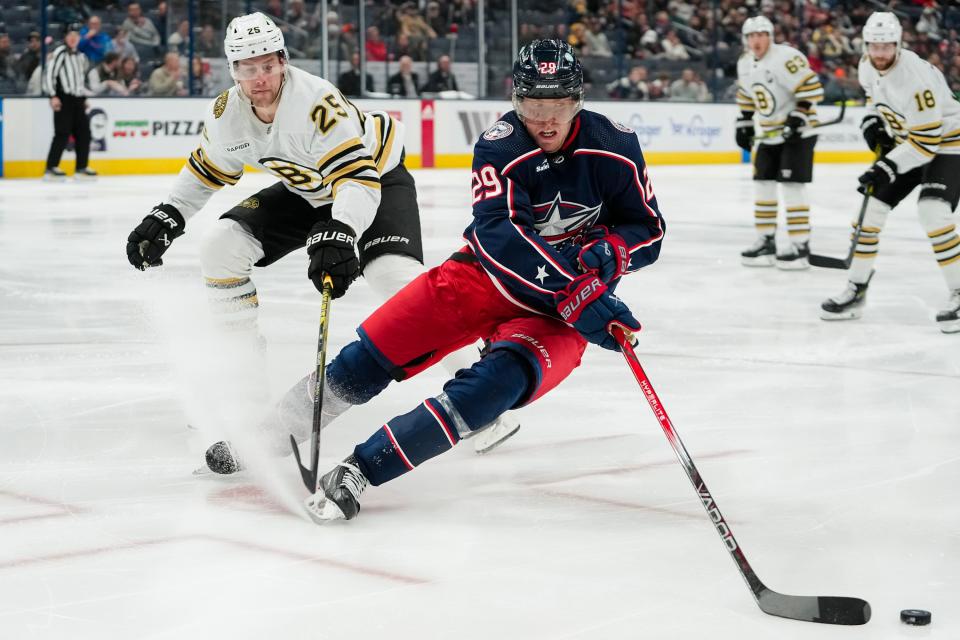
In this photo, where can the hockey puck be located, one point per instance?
(917, 617)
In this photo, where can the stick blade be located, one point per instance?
(823, 609)
(826, 262)
(308, 477)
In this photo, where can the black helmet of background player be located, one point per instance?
(547, 70)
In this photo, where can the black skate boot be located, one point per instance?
(795, 258)
(848, 304)
(338, 497)
(761, 254)
(949, 319)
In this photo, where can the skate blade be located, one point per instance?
(949, 326)
(482, 445)
(761, 261)
(324, 512)
(846, 315)
(792, 265)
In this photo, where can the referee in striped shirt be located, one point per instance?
(64, 81)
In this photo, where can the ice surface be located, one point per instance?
(832, 449)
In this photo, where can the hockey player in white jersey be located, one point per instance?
(776, 85)
(343, 189)
(914, 121)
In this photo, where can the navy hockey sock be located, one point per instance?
(355, 376)
(473, 399)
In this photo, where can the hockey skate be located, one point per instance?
(795, 258)
(949, 319)
(848, 304)
(338, 496)
(495, 434)
(762, 253)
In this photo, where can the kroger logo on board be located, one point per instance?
(695, 128)
(645, 132)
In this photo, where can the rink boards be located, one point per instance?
(155, 135)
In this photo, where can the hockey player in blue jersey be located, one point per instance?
(563, 208)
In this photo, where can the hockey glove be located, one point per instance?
(604, 254)
(593, 311)
(332, 249)
(875, 134)
(882, 174)
(153, 236)
(796, 122)
(745, 132)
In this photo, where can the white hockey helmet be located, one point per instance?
(757, 24)
(250, 36)
(882, 26)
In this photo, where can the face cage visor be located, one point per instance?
(544, 111)
(249, 70)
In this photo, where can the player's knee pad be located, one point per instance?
(228, 250)
(355, 375)
(389, 273)
(479, 395)
(935, 214)
(765, 190)
(794, 194)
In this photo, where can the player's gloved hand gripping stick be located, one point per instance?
(826, 609)
(309, 476)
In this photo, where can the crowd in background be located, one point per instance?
(632, 49)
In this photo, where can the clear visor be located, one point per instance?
(249, 70)
(548, 110)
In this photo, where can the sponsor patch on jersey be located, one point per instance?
(621, 126)
(250, 203)
(500, 129)
(220, 105)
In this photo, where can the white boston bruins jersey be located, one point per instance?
(920, 110)
(320, 145)
(773, 85)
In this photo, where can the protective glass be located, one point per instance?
(246, 70)
(547, 110)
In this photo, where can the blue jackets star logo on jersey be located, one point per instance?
(560, 220)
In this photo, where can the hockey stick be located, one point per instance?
(828, 262)
(825, 609)
(309, 476)
(827, 123)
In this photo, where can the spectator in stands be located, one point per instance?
(673, 49)
(633, 86)
(576, 39)
(30, 58)
(413, 25)
(140, 30)
(689, 88)
(202, 80)
(274, 10)
(208, 45)
(435, 19)
(660, 87)
(68, 12)
(402, 47)
(161, 19)
(104, 79)
(404, 83)
(94, 42)
(929, 23)
(376, 47)
(179, 40)
(596, 40)
(129, 75)
(123, 46)
(349, 81)
(9, 77)
(442, 79)
(167, 80)
(296, 31)
(461, 12)
(643, 42)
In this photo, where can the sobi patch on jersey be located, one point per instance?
(621, 126)
(500, 129)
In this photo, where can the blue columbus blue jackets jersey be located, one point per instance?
(529, 205)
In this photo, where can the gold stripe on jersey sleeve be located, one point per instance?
(331, 155)
(359, 164)
(202, 174)
(387, 147)
(370, 183)
(949, 244)
(925, 138)
(930, 126)
(941, 232)
(215, 171)
(921, 148)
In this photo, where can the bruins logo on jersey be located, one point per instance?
(250, 203)
(763, 99)
(220, 105)
(298, 176)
